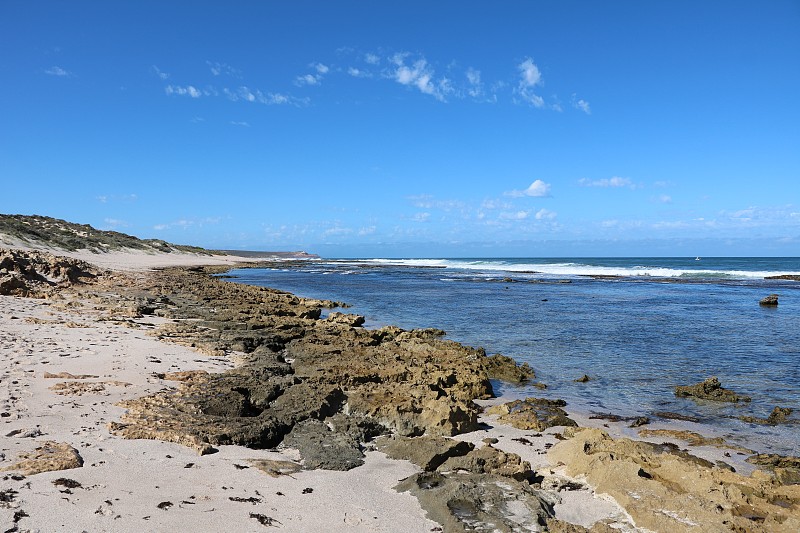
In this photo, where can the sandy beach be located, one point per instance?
(69, 359)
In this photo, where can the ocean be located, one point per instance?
(637, 326)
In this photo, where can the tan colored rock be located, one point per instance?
(710, 389)
(276, 468)
(535, 414)
(77, 388)
(666, 490)
(47, 457)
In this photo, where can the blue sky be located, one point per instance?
(409, 129)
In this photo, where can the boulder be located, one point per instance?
(710, 389)
(48, 457)
(769, 301)
(535, 414)
(779, 415)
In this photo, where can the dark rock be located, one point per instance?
(479, 502)
(506, 369)
(640, 421)
(769, 301)
(710, 389)
(786, 468)
(583, 379)
(426, 452)
(676, 416)
(779, 415)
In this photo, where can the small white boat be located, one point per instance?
(697, 259)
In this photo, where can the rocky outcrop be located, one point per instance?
(469, 489)
(322, 385)
(506, 369)
(779, 415)
(46, 458)
(710, 389)
(786, 468)
(34, 274)
(769, 301)
(664, 489)
(535, 414)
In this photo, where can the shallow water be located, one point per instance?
(637, 337)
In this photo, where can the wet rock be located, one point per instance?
(664, 489)
(535, 414)
(789, 277)
(710, 389)
(471, 502)
(692, 438)
(48, 457)
(506, 369)
(769, 301)
(779, 415)
(583, 379)
(639, 421)
(676, 416)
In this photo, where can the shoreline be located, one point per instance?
(75, 327)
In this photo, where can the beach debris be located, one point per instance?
(583, 379)
(710, 389)
(779, 415)
(535, 414)
(49, 456)
(769, 301)
(264, 520)
(67, 483)
(67, 375)
(639, 421)
(276, 468)
(679, 491)
(164, 505)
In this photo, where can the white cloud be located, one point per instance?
(536, 189)
(358, 73)
(254, 95)
(239, 123)
(322, 69)
(372, 59)
(308, 79)
(57, 71)
(665, 199)
(516, 215)
(475, 88)
(545, 214)
(615, 181)
(495, 204)
(217, 69)
(419, 75)
(583, 105)
(115, 223)
(188, 90)
(160, 73)
(421, 217)
(530, 78)
(368, 230)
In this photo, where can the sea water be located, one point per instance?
(637, 326)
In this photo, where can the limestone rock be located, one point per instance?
(710, 389)
(664, 489)
(535, 414)
(490, 460)
(49, 456)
